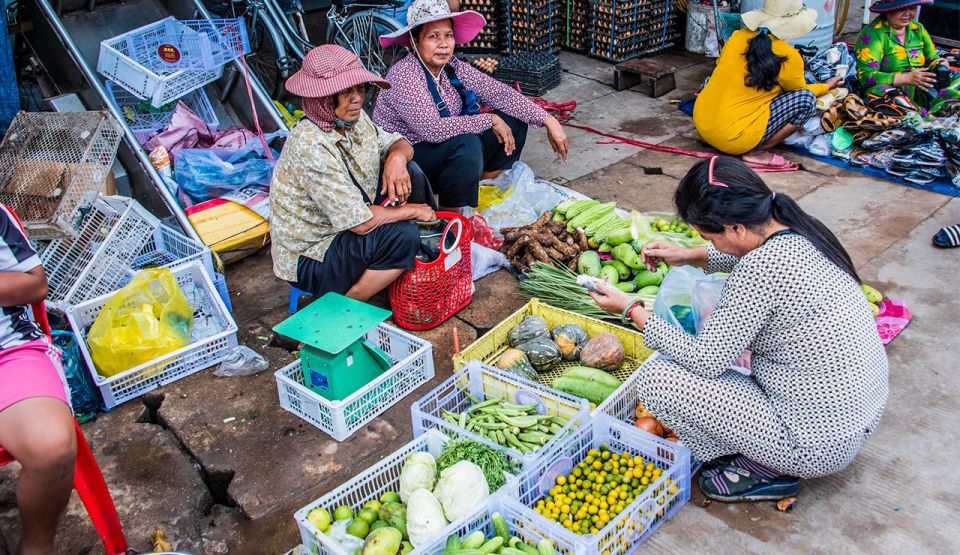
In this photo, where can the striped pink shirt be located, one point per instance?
(408, 108)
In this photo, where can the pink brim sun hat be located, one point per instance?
(329, 69)
(466, 24)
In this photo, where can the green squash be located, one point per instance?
(529, 328)
(542, 353)
(570, 338)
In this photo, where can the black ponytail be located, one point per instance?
(746, 200)
(763, 65)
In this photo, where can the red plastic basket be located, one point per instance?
(424, 297)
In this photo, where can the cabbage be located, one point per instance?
(419, 471)
(461, 489)
(425, 518)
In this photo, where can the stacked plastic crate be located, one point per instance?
(166, 61)
(535, 25)
(626, 29)
(488, 41)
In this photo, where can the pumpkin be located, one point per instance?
(515, 362)
(529, 328)
(570, 338)
(543, 353)
(603, 351)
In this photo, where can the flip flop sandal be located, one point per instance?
(777, 163)
(904, 157)
(831, 119)
(899, 170)
(860, 158)
(947, 237)
(860, 136)
(735, 484)
(855, 107)
(889, 137)
(882, 159)
(919, 177)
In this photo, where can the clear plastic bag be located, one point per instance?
(208, 173)
(529, 198)
(687, 299)
(147, 319)
(241, 361)
(643, 231)
(486, 261)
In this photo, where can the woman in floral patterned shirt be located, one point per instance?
(434, 101)
(330, 228)
(895, 51)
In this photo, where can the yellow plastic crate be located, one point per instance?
(494, 342)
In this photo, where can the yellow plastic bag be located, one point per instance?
(148, 318)
(490, 195)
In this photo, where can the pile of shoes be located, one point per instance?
(919, 153)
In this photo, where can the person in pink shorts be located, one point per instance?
(36, 422)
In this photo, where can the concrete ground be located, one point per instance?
(176, 461)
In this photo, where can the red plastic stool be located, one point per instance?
(87, 477)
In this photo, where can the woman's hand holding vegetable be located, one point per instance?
(615, 301)
(662, 251)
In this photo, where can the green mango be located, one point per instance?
(395, 514)
(383, 541)
(649, 291)
(647, 278)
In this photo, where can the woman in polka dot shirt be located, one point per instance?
(793, 298)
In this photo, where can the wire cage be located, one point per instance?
(116, 238)
(52, 165)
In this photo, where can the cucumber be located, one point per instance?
(491, 545)
(515, 551)
(453, 542)
(557, 217)
(474, 540)
(609, 229)
(545, 547)
(604, 247)
(563, 206)
(590, 215)
(578, 207)
(592, 374)
(592, 391)
(500, 527)
(620, 236)
(591, 229)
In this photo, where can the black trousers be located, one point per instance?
(454, 166)
(391, 246)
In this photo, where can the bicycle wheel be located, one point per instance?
(360, 34)
(263, 59)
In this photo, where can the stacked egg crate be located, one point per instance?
(488, 41)
(533, 25)
(626, 29)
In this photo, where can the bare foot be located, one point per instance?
(758, 157)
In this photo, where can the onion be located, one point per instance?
(651, 425)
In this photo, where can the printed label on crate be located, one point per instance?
(168, 53)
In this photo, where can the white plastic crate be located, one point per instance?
(622, 405)
(370, 484)
(517, 518)
(412, 367)
(629, 529)
(166, 59)
(214, 333)
(117, 237)
(94, 262)
(144, 124)
(486, 382)
(52, 167)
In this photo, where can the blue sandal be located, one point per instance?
(948, 237)
(733, 483)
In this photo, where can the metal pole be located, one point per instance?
(141, 155)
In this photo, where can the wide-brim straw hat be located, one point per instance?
(466, 24)
(894, 5)
(329, 69)
(787, 19)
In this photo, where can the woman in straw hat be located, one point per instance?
(895, 53)
(331, 227)
(435, 101)
(757, 95)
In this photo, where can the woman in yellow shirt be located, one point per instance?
(757, 95)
